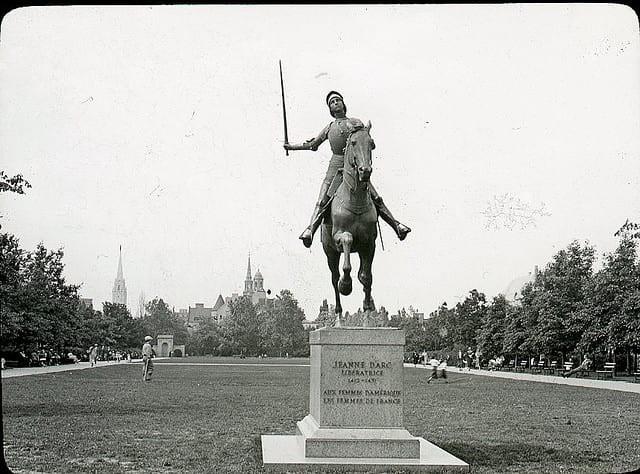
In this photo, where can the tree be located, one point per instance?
(282, 327)
(628, 230)
(120, 330)
(48, 317)
(12, 290)
(610, 310)
(14, 184)
(207, 339)
(241, 330)
(159, 319)
(491, 334)
(547, 320)
(467, 319)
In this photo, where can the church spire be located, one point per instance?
(248, 281)
(119, 293)
(120, 276)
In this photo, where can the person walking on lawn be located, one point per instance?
(147, 355)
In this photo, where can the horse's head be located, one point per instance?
(358, 152)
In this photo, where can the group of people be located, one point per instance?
(47, 357)
(95, 353)
(438, 369)
(147, 354)
(495, 363)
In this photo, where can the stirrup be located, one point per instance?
(306, 237)
(402, 230)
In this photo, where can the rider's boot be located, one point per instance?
(316, 219)
(400, 229)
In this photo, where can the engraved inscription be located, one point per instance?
(359, 372)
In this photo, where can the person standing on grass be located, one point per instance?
(93, 354)
(147, 355)
(586, 363)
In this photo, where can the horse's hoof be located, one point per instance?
(344, 287)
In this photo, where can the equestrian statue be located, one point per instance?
(348, 206)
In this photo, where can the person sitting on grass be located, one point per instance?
(586, 363)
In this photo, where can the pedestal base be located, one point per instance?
(285, 453)
(356, 408)
(356, 442)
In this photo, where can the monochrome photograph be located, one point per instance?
(320, 238)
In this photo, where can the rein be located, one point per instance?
(350, 162)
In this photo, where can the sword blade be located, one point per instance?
(284, 109)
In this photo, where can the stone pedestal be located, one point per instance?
(356, 403)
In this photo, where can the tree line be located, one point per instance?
(273, 328)
(568, 310)
(39, 309)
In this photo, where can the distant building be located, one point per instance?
(254, 288)
(326, 315)
(119, 293)
(183, 315)
(415, 314)
(310, 325)
(513, 292)
(199, 314)
(87, 302)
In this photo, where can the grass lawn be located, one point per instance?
(201, 419)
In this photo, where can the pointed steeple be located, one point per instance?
(120, 276)
(248, 281)
(119, 292)
(249, 267)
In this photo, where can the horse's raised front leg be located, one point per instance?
(333, 259)
(343, 241)
(366, 278)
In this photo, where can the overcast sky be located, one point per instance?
(503, 132)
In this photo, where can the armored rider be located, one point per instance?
(337, 133)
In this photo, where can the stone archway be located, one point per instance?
(164, 349)
(177, 353)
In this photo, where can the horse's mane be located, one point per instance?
(349, 171)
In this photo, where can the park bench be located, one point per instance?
(551, 368)
(584, 372)
(538, 367)
(510, 366)
(567, 367)
(522, 366)
(609, 370)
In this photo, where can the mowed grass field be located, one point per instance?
(201, 419)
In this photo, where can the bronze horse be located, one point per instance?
(351, 225)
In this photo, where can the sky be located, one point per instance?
(503, 133)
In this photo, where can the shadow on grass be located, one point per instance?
(516, 453)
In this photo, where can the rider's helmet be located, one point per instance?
(333, 94)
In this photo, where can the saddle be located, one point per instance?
(325, 212)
